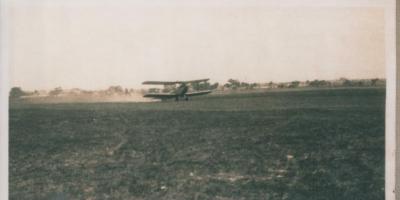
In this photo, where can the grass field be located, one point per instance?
(314, 144)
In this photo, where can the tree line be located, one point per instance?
(231, 84)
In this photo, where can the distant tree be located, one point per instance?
(88, 92)
(270, 84)
(374, 81)
(244, 85)
(319, 83)
(214, 86)
(324, 83)
(294, 84)
(253, 85)
(56, 91)
(16, 92)
(328, 83)
(347, 83)
(314, 83)
(115, 90)
(359, 83)
(281, 85)
(201, 86)
(233, 84)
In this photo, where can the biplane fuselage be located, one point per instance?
(182, 91)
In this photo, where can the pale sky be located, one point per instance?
(93, 45)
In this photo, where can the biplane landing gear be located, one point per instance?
(186, 98)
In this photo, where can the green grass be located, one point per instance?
(313, 144)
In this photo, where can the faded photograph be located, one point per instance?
(197, 99)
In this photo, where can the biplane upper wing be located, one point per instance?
(173, 82)
(160, 95)
(160, 82)
(197, 93)
(196, 81)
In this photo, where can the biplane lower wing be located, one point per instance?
(189, 94)
(161, 96)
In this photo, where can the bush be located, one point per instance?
(16, 92)
(56, 91)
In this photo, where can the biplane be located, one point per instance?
(180, 91)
